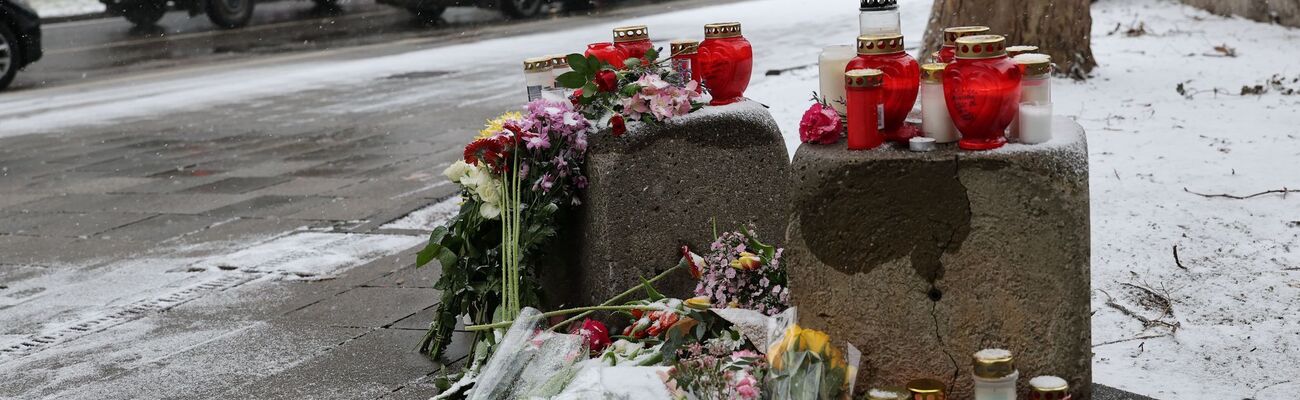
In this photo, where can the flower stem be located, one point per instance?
(504, 324)
(617, 298)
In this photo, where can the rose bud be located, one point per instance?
(606, 81)
(747, 262)
(618, 125)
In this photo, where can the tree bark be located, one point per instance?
(1061, 28)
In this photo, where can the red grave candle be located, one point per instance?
(982, 91)
(725, 62)
(634, 41)
(902, 80)
(862, 89)
(948, 53)
(606, 52)
(683, 53)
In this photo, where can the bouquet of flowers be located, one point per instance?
(740, 271)
(645, 90)
(805, 365)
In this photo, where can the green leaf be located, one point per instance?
(434, 249)
(631, 89)
(578, 63)
(593, 64)
(589, 90)
(632, 62)
(650, 291)
(572, 79)
(652, 55)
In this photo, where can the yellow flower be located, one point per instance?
(787, 343)
(495, 126)
(814, 341)
(698, 303)
(747, 262)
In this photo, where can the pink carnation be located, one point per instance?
(820, 125)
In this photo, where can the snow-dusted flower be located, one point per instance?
(457, 170)
(739, 271)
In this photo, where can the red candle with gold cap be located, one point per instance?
(948, 53)
(901, 83)
(634, 41)
(982, 91)
(862, 88)
(725, 62)
(607, 52)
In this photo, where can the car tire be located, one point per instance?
(230, 13)
(521, 8)
(10, 57)
(145, 12)
(427, 14)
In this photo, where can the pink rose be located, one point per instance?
(820, 125)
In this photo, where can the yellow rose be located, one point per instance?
(787, 343)
(747, 262)
(698, 303)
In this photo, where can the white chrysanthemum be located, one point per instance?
(489, 210)
(457, 170)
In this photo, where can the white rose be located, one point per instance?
(489, 210)
(456, 170)
(474, 177)
(489, 191)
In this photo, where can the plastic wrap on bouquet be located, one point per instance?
(529, 362)
(596, 381)
(805, 365)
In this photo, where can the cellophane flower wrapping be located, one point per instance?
(530, 362)
(805, 364)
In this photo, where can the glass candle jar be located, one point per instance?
(926, 389)
(879, 17)
(683, 55)
(831, 65)
(634, 41)
(1013, 51)
(726, 61)
(948, 53)
(935, 122)
(982, 91)
(1033, 122)
(863, 89)
(606, 52)
(1048, 388)
(902, 80)
(995, 375)
(537, 76)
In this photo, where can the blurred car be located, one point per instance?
(20, 38)
(432, 9)
(223, 13)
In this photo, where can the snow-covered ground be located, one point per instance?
(66, 8)
(1235, 299)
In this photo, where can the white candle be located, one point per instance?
(1035, 87)
(537, 76)
(935, 121)
(995, 375)
(832, 63)
(1035, 122)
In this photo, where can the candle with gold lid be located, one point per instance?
(902, 81)
(1048, 387)
(725, 61)
(926, 389)
(864, 108)
(683, 53)
(634, 40)
(1033, 122)
(879, 17)
(995, 375)
(982, 91)
(537, 76)
(935, 121)
(1013, 51)
(948, 52)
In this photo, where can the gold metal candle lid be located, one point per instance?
(1048, 384)
(722, 30)
(933, 72)
(951, 34)
(1013, 51)
(559, 61)
(1034, 64)
(887, 394)
(684, 46)
(880, 44)
(926, 389)
(537, 64)
(993, 363)
(631, 33)
(864, 78)
(981, 46)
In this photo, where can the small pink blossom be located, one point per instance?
(820, 125)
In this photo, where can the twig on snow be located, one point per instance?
(1143, 337)
(1178, 261)
(1283, 191)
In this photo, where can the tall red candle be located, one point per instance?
(605, 51)
(901, 83)
(634, 41)
(948, 53)
(982, 91)
(725, 61)
(862, 89)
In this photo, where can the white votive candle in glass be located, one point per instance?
(537, 76)
(831, 66)
(1035, 99)
(935, 121)
(995, 375)
(1035, 123)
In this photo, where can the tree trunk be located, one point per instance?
(1061, 28)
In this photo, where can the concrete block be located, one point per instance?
(655, 189)
(922, 259)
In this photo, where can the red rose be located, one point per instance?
(576, 98)
(606, 81)
(596, 333)
(619, 126)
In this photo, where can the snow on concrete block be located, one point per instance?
(923, 259)
(655, 189)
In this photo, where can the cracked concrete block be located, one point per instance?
(655, 189)
(922, 259)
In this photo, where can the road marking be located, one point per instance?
(215, 32)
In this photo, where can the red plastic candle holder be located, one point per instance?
(902, 81)
(634, 41)
(606, 52)
(982, 91)
(948, 53)
(862, 90)
(725, 62)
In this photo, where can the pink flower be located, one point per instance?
(820, 125)
(747, 388)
